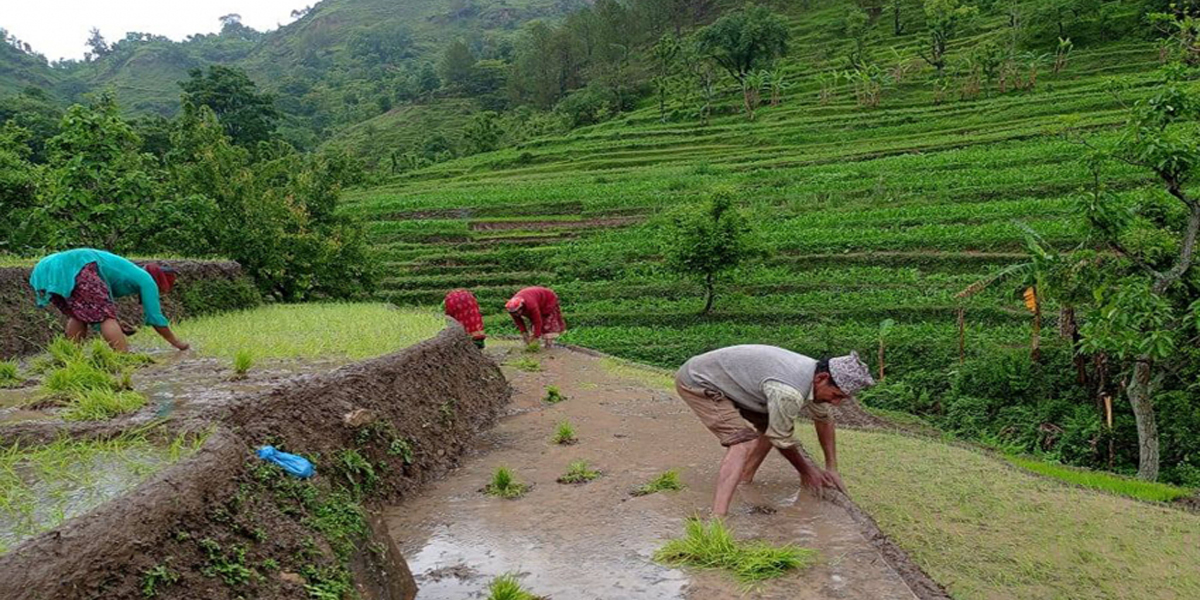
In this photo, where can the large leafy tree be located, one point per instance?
(98, 184)
(247, 115)
(706, 240)
(1146, 293)
(944, 19)
(744, 42)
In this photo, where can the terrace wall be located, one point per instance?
(202, 287)
(437, 395)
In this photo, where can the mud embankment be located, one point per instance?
(222, 524)
(201, 287)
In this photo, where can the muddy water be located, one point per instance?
(595, 541)
(177, 385)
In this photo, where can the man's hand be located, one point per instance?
(834, 480)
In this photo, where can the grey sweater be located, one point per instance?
(739, 372)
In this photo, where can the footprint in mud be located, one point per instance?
(762, 509)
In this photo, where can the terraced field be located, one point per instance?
(869, 214)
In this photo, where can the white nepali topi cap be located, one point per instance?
(850, 373)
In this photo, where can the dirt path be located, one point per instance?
(594, 541)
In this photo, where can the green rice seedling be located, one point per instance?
(102, 404)
(553, 395)
(10, 374)
(565, 434)
(533, 347)
(526, 364)
(242, 361)
(711, 546)
(505, 485)
(506, 587)
(77, 376)
(103, 357)
(668, 481)
(579, 472)
(62, 352)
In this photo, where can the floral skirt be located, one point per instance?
(89, 301)
(552, 321)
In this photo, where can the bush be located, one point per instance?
(208, 296)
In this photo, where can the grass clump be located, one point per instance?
(78, 377)
(553, 395)
(565, 434)
(711, 546)
(242, 361)
(668, 481)
(506, 587)
(102, 404)
(526, 364)
(1133, 488)
(10, 374)
(579, 472)
(505, 485)
(533, 347)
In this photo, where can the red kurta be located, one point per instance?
(542, 310)
(462, 306)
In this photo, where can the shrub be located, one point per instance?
(207, 296)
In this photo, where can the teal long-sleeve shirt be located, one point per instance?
(56, 273)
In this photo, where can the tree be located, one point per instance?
(482, 133)
(21, 224)
(456, 65)
(666, 56)
(707, 240)
(1147, 302)
(745, 41)
(248, 116)
(97, 45)
(856, 27)
(427, 80)
(944, 18)
(98, 184)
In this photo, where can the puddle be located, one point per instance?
(595, 541)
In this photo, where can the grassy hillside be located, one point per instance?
(868, 214)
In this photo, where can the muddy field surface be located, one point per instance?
(182, 386)
(595, 540)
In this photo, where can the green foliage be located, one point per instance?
(506, 587)
(711, 546)
(211, 296)
(707, 240)
(100, 404)
(578, 472)
(10, 374)
(553, 395)
(242, 361)
(564, 434)
(525, 363)
(156, 577)
(247, 115)
(358, 472)
(745, 40)
(944, 20)
(78, 377)
(667, 481)
(229, 566)
(1142, 490)
(505, 485)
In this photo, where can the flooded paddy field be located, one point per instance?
(596, 540)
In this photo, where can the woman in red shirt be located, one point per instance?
(462, 306)
(540, 306)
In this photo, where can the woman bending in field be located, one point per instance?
(84, 283)
(540, 306)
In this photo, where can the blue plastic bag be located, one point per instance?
(295, 465)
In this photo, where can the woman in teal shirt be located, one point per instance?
(83, 284)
